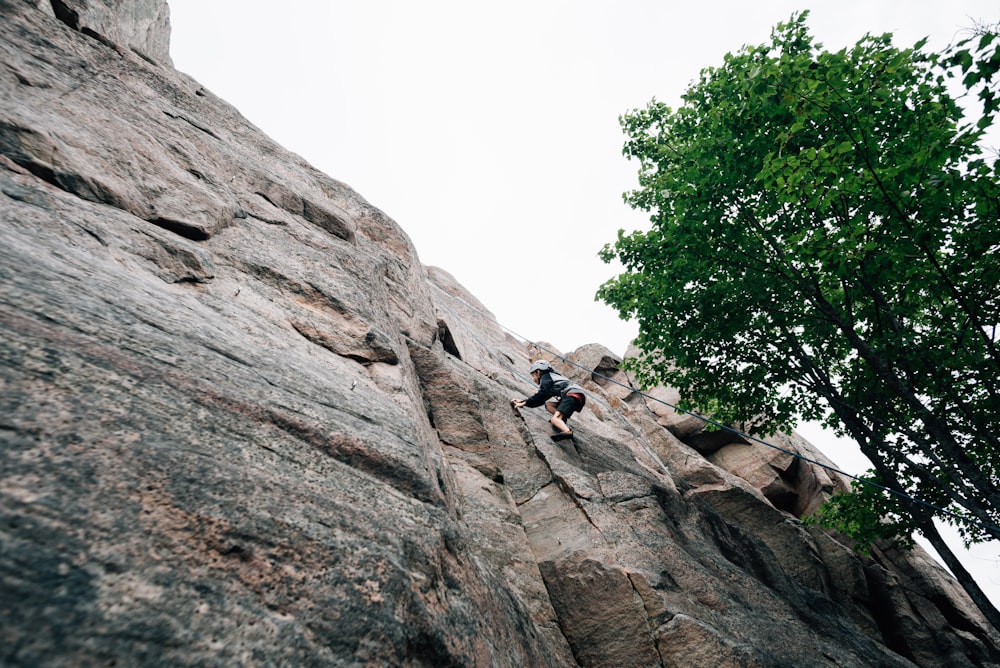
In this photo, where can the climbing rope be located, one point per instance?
(725, 427)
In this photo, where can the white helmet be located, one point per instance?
(540, 365)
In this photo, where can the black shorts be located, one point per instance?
(570, 404)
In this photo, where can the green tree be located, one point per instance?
(823, 245)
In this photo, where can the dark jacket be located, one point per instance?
(552, 384)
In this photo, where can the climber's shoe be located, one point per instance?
(562, 436)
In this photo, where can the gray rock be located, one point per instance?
(241, 424)
(140, 25)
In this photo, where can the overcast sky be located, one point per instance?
(489, 131)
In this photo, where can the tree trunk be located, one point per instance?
(922, 515)
(929, 531)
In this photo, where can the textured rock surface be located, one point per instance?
(240, 423)
(140, 25)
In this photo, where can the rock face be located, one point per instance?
(241, 424)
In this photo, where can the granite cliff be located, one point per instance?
(242, 424)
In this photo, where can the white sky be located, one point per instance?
(489, 132)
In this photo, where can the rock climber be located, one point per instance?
(566, 397)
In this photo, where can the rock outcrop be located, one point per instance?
(241, 424)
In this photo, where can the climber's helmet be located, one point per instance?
(541, 366)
